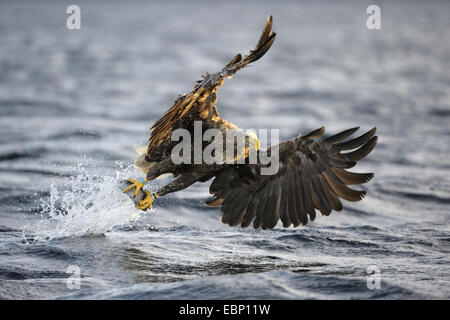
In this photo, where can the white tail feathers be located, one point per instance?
(142, 164)
(141, 149)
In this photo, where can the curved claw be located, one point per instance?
(138, 184)
(147, 202)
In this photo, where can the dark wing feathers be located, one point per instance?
(199, 104)
(350, 178)
(312, 176)
(250, 212)
(283, 210)
(341, 135)
(315, 133)
(354, 143)
(362, 152)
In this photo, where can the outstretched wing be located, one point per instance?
(312, 175)
(199, 104)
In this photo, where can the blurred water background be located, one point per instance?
(75, 103)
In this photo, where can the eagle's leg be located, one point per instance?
(179, 183)
(182, 182)
(162, 167)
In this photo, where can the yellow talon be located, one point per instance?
(147, 202)
(138, 184)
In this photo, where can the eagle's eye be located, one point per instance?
(251, 140)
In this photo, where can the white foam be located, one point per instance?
(87, 204)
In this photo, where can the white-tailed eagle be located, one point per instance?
(312, 171)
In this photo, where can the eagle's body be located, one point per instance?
(311, 173)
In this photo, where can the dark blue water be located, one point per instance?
(74, 104)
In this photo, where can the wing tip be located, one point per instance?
(317, 133)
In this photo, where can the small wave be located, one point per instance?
(326, 238)
(17, 155)
(89, 135)
(355, 228)
(440, 112)
(48, 252)
(7, 229)
(263, 285)
(297, 237)
(422, 197)
(17, 273)
(34, 171)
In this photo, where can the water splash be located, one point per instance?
(86, 205)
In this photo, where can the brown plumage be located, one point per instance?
(312, 174)
(199, 104)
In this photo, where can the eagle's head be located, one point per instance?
(251, 140)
